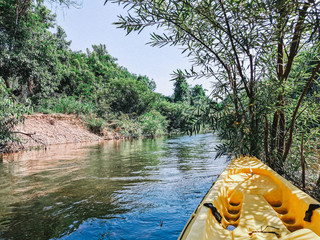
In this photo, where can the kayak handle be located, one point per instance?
(309, 212)
(214, 211)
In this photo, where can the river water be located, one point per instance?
(140, 189)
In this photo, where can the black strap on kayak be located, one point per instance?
(214, 211)
(309, 212)
(265, 231)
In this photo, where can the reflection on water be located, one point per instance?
(142, 189)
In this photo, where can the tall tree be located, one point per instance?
(181, 89)
(29, 51)
(10, 115)
(198, 94)
(244, 46)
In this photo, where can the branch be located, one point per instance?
(24, 133)
(293, 119)
(212, 21)
(30, 135)
(200, 41)
(296, 38)
(234, 49)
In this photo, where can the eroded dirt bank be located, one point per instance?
(40, 130)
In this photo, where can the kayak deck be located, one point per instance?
(254, 202)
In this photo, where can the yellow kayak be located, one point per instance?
(251, 201)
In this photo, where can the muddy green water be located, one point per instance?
(141, 189)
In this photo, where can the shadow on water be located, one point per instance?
(142, 189)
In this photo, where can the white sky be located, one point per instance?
(92, 24)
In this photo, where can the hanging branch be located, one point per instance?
(293, 119)
(234, 50)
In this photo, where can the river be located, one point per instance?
(140, 189)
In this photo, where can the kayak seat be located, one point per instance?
(258, 182)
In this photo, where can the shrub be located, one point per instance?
(175, 113)
(130, 127)
(128, 96)
(10, 115)
(95, 125)
(153, 123)
(69, 105)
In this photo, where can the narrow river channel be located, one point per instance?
(140, 189)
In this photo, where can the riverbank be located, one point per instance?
(41, 130)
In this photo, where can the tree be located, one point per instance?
(100, 51)
(30, 64)
(245, 47)
(176, 114)
(181, 89)
(197, 95)
(128, 96)
(153, 123)
(150, 83)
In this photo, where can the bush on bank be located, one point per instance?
(10, 114)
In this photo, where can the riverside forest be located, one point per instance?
(263, 57)
(40, 73)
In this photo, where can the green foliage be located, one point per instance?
(129, 96)
(100, 51)
(68, 105)
(39, 68)
(175, 113)
(242, 46)
(10, 115)
(30, 63)
(150, 83)
(181, 89)
(153, 123)
(198, 95)
(95, 125)
(78, 80)
(129, 127)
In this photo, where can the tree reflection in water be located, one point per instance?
(111, 190)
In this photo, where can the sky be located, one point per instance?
(92, 23)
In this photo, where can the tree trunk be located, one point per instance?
(282, 129)
(318, 182)
(266, 140)
(303, 166)
(274, 138)
(30, 86)
(6, 80)
(281, 118)
(253, 127)
(277, 125)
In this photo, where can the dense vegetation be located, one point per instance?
(263, 55)
(265, 58)
(40, 73)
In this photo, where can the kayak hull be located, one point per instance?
(254, 202)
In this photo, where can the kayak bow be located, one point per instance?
(251, 201)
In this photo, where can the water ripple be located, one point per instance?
(142, 189)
